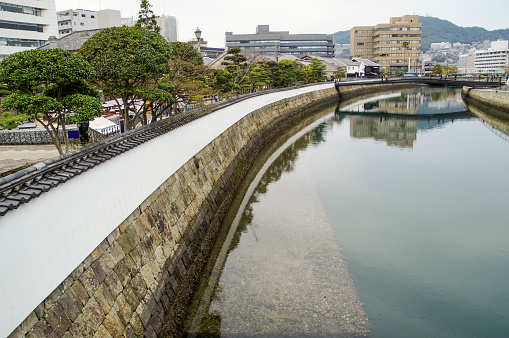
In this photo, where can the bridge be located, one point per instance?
(117, 249)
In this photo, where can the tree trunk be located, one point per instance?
(52, 132)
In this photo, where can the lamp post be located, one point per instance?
(197, 33)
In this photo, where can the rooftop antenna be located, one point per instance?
(100, 8)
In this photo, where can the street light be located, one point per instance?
(197, 32)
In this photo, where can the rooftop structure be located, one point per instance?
(383, 43)
(26, 24)
(72, 41)
(75, 20)
(266, 42)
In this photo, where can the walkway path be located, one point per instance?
(12, 157)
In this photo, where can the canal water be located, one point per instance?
(386, 217)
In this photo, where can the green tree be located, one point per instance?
(187, 73)
(62, 75)
(260, 76)
(146, 17)
(289, 73)
(128, 61)
(405, 46)
(437, 69)
(223, 81)
(236, 64)
(315, 71)
(9, 120)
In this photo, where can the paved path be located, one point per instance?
(12, 157)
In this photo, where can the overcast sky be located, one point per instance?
(216, 17)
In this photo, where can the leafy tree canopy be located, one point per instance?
(315, 71)
(126, 59)
(63, 76)
(126, 56)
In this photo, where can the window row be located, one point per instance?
(6, 7)
(21, 26)
(399, 29)
(20, 42)
(397, 36)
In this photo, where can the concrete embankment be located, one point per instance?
(493, 102)
(144, 272)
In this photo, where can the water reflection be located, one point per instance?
(283, 274)
(424, 231)
(397, 117)
(496, 121)
(424, 101)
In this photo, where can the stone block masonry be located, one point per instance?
(496, 102)
(139, 280)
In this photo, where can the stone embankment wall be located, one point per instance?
(496, 101)
(138, 281)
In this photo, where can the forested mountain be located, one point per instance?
(438, 30)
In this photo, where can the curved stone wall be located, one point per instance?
(143, 273)
(495, 101)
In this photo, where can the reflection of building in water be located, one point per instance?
(407, 104)
(427, 101)
(395, 132)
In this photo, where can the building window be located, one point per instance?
(82, 15)
(21, 26)
(92, 16)
(6, 7)
(20, 42)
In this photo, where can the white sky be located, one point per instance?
(216, 17)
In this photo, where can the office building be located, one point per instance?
(76, 20)
(26, 24)
(267, 42)
(383, 44)
(494, 60)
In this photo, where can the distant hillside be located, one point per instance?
(438, 30)
(342, 37)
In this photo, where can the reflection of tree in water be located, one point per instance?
(210, 325)
(283, 164)
(437, 96)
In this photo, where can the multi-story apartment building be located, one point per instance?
(267, 42)
(494, 60)
(75, 20)
(385, 43)
(26, 24)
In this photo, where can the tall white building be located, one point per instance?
(26, 24)
(167, 23)
(494, 59)
(466, 63)
(75, 20)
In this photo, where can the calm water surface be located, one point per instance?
(372, 223)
